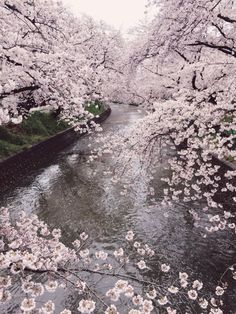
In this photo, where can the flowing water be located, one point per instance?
(74, 195)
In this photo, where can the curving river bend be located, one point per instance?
(67, 194)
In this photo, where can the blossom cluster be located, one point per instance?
(28, 247)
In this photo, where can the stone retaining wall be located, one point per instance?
(40, 154)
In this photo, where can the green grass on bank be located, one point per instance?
(96, 108)
(36, 128)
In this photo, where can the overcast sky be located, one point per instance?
(122, 14)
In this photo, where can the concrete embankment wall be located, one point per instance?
(40, 154)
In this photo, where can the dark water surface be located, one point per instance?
(68, 194)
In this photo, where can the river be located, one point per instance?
(76, 196)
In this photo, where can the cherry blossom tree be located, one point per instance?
(182, 72)
(180, 68)
(29, 248)
(49, 57)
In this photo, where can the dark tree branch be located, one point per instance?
(225, 49)
(226, 18)
(194, 79)
(12, 61)
(20, 90)
(182, 55)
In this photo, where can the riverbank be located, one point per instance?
(42, 153)
(37, 127)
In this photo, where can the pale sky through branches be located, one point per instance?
(118, 13)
